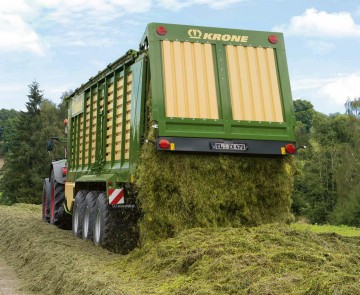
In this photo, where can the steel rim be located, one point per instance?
(76, 221)
(97, 227)
(86, 223)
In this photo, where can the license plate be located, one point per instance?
(229, 146)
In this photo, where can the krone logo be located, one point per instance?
(195, 34)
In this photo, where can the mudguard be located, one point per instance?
(48, 188)
(58, 172)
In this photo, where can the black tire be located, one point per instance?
(57, 197)
(102, 220)
(78, 213)
(115, 229)
(46, 193)
(64, 219)
(89, 215)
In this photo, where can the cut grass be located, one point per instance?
(342, 230)
(268, 259)
(183, 191)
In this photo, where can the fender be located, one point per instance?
(48, 188)
(58, 172)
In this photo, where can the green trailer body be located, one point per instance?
(205, 89)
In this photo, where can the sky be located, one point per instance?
(62, 43)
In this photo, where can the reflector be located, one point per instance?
(164, 144)
(290, 148)
(273, 39)
(161, 31)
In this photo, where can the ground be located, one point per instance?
(9, 282)
(268, 259)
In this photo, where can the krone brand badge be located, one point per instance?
(197, 34)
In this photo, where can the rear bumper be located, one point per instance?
(216, 145)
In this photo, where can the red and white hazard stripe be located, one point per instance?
(116, 196)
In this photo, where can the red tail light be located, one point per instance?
(64, 171)
(164, 144)
(273, 39)
(290, 149)
(161, 31)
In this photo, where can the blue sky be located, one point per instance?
(62, 43)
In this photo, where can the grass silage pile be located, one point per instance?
(268, 259)
(182, 191)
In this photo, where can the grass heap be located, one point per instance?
(182, 191)
(269, 259)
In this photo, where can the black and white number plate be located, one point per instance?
(228, 146)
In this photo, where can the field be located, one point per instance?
(268, 259)
(342, 230)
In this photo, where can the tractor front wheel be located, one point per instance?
(46, 195)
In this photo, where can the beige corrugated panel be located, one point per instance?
(73, 136)
(128, 113)
(109, 121)
(87, 131)
(189, 80)
(93, 129)
(118, 119)
(254, 87)
(81, 138)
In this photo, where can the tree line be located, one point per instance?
(327, 184)
(327, 178)
(24, 136)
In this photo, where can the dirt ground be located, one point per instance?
(9, 282)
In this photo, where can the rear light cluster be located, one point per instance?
(273, 39)
(64, 171)
(164, 144)
(290, 149)
(161, 31)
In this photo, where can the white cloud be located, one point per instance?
(341, 88)
(179, 4)
(328, 94)
(309, 83)
(15, 7)
(321, 23)
(22, 22)
(11, 87)
(320, 47)
(66, 11)
(17, 35)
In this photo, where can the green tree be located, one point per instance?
(5, 117)
(27, 161)
(347, 209)
(315, 193)
(304, 112)
(352, 107)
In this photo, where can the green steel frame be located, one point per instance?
(225, 126)
(148, 62)
(102, 170)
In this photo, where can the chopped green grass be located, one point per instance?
(268, 259)
(182, 191)
(342, 230)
